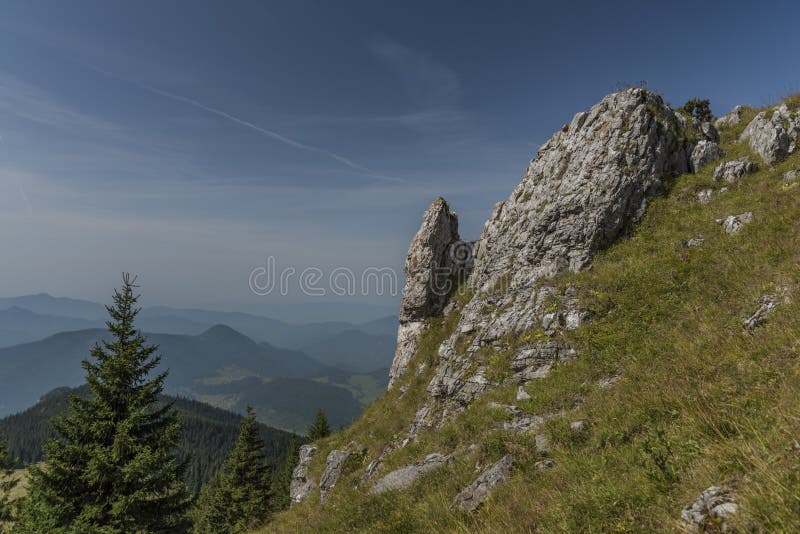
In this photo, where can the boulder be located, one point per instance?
(522, 395)
(734, 223)
(334, 468)
(773, 135)
(405, 476)
(730, 171)
(479, 491)
(711, 509)
(301, 485)
(705, 152)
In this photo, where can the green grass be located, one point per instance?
(701, 401)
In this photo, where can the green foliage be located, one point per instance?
(207, 433)
(699, 109)
(237, 499)
(111, 467)
(283, 477)
(319, 428)
(7, 483)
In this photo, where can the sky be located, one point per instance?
(190, 141)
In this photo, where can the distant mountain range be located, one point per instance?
(227, 359)
(34, 317)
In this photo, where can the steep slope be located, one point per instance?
(208, 433)
(622, 357)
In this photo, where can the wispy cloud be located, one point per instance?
(425, 78)
(31, 103)
(247, 124)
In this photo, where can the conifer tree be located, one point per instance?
(319, 428)
(7, 483)
(283, 477)
(111, 467)
(237, 499)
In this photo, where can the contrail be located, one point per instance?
(247, 124)
(21, 189)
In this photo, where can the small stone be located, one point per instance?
(704, 196)
(476, 493)
(606, 383)
(544, 464)
(711, 509)
(694, 242)
(766, 305)
(734, 223)
(467, 328)
(579, 426)
(522, 395)
(542, 444)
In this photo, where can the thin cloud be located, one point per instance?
(425, 78)
(247, 124)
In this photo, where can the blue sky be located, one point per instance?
(188, 141)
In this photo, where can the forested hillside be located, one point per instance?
(207, 433)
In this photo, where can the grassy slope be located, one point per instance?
(701, 400)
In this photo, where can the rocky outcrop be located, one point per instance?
(405, 476)
(436, 258)
(588, 184)
(704, 152)
(773, 135)
(734, 223)
(712, 510)
(731, 171)
(479, 491)
(301, 485)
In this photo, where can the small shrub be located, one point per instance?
(699, 109)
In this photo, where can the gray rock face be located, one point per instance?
(476, 493)
(705, 152)
(406, 476)
(586, 185)
(773, 135)
(435, 256)
(714, 506)
(734, 223)
(730, 171)
(300, 485)
(732, 118)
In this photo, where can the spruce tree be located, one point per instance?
(7, 483)
(283, 477)
(111, 467)
(319, 428)
(237, 499)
